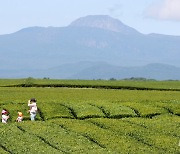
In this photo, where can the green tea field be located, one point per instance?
(93, 117)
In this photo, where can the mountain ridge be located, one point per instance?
(91, 38)
(103, 22)
(99, 70)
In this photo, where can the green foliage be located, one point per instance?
(29, 82)
(112, 79)
(16, 140)
(54, 110)
(74, 120)
(144, 84)
(114, 110)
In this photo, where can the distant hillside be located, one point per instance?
(151, 71)
(92, 38)
(99, 70)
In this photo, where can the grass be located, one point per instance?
(81, 120)
(161, 85)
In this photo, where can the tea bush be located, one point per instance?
(75, 120)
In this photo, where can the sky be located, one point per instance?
(146, 16)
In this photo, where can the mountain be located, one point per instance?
(92, 38)
(98, 70)
(104, 22)
(150, 71)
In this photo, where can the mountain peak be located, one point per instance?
(104, 22)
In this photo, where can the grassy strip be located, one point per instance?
(112, 141)
(145, 131)
(4, 150)
(14, 139)
(90, 86)
(58, 137)
(126, 83)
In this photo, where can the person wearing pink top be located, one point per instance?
(5, 116)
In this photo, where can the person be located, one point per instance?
(5, 116)
(33, 108)
(20, 117)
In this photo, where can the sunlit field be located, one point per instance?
(92, 119)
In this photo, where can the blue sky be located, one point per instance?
(147, 16)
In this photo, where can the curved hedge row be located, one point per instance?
(90, 86)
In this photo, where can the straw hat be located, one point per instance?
(20, 114)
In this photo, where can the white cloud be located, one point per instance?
(165, 10)
(115, 10)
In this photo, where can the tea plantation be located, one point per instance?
(95, 120)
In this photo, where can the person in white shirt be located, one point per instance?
(33, 108)
(5, 117)
(20, 117)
